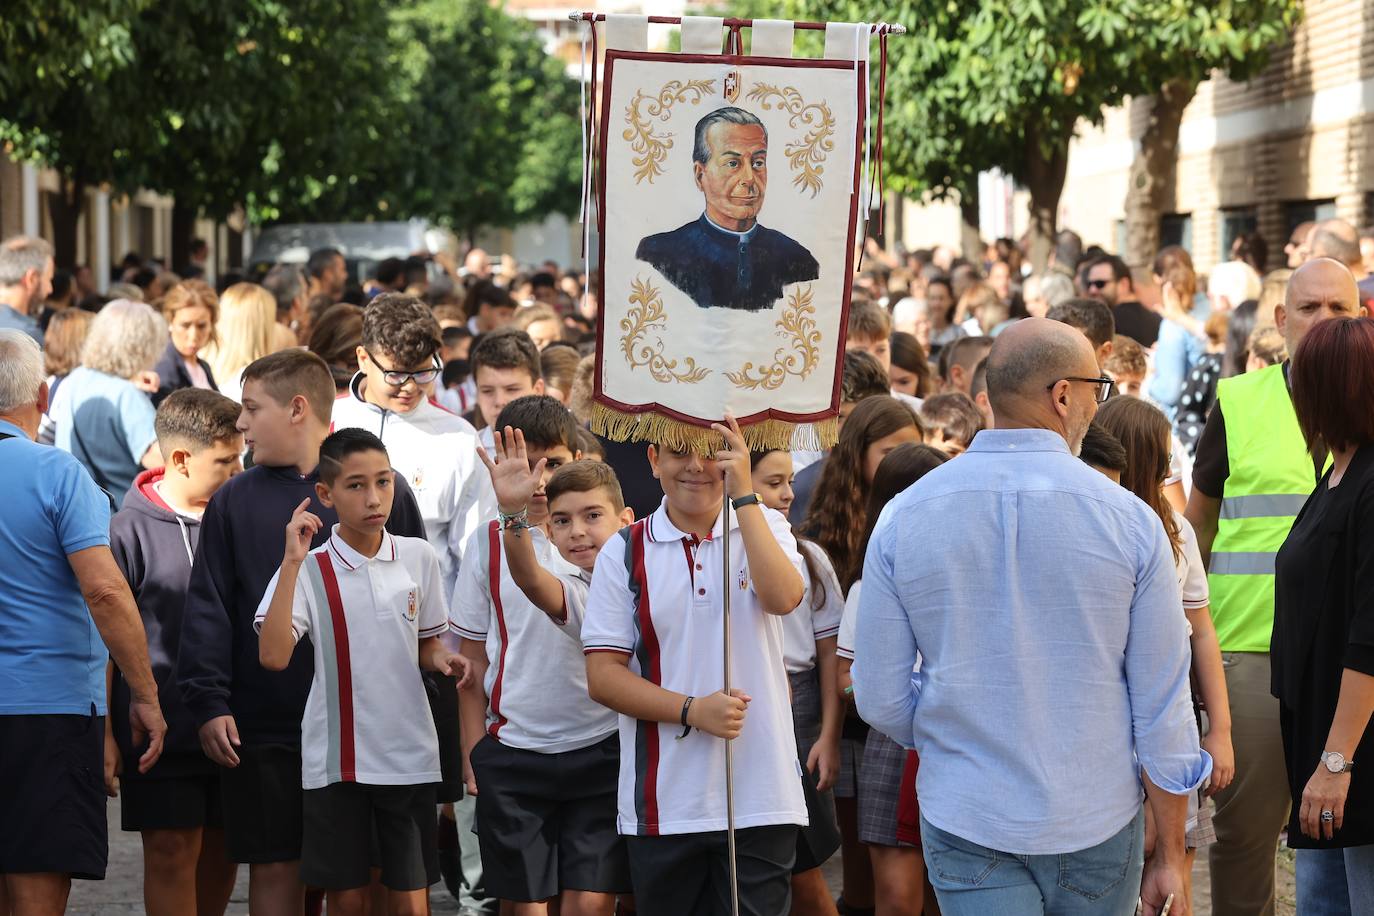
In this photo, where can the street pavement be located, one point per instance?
(122, 890)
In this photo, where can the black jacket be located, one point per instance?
(172, 374)
(1323, 624)
(242, 537)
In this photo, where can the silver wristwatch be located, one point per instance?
(1335, 762)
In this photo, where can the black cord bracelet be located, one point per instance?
(686, 729)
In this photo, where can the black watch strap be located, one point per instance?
(743, 501)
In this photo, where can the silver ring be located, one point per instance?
(1328, 816)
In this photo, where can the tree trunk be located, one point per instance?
(970, 237)
(64, 209)
(1045, 180)
(183, 229)
(1152, 171)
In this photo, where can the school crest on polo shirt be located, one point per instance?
(744, 580)
(412, 605)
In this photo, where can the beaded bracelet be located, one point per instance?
(519, 519)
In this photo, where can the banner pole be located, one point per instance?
(729, 745)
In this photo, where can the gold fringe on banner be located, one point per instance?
(767, 435)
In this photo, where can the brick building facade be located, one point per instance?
(1295, 143)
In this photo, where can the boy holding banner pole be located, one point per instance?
(654, 636)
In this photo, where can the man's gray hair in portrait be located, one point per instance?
(21, 370)
(701, 150)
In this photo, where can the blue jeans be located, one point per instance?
(972, 880)
(1336, 882)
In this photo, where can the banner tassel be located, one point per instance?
(763, 436)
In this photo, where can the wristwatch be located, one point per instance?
(741, 502)
(1335, 762)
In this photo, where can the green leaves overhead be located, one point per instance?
(995, 83)
(322, 109)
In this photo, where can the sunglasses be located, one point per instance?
(1098, 284)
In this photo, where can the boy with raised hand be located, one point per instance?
(175, 806)
(250, 718)
(585, 508)
(653, 637)
(544, 768)
(373, 603)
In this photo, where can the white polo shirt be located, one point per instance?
(536, 679)
(656, 596)
(436, 452)
(367, 718)
(809, 624)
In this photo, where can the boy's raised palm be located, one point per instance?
(514, 481)
(300, 531)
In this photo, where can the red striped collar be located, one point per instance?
(350, 558)
(660, 528)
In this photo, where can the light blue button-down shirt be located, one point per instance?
(1043, 600)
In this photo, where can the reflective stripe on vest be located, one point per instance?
(1262, 505)
(1269, 478)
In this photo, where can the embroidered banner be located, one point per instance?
(729, 196)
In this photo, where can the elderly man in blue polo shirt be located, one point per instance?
(1053, 660)
(62, 601)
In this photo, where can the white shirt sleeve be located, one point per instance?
(825, 619)
(433, 612)
(470, 611)
(844, 645)
(300, 601)
(782, 530)
(1193, 581)
(575, 591)
(608, 625)
(466, 517)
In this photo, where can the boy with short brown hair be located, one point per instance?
(544, 774)
(250, 718)
(175, 806)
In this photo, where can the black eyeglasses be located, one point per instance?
(1104, 385)
(1098, 284)
(398, 379)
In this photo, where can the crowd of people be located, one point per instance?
(1081, 590)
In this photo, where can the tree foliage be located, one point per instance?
(1003, 83)
(482, 128)
(50, 43)
(320, 109)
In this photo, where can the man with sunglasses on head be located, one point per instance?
(1109, 282)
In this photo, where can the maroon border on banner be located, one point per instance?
(599, 395)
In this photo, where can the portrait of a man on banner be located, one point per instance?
(729, 196)
(725, 258)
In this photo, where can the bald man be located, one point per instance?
(1251, 475)
(1054, 658)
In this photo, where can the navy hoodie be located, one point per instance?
(242, 538)
(153, 546)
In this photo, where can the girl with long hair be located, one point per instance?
(808, 648)
(1144, 432)
(875, 427)
(243, 333)
(889, 816)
